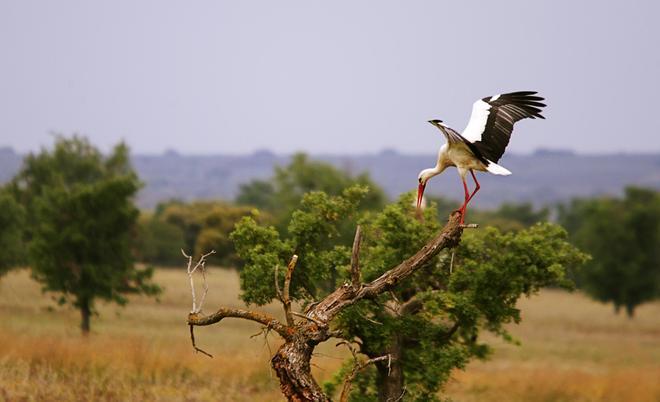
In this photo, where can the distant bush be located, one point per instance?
(195, 227)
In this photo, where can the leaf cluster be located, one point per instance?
(281, 194)
(313, 234)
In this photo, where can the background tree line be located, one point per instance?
(621, 234)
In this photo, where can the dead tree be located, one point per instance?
(292, 360)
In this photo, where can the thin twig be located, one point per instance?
(451, 263)
(286, 299)
(317, 366)
(469, 226)
(359, 366)
(191, 270)
(403, 392)
(205, 285)
(372, 320)
(258, 333)
(310, 306)
(355, 259)
(319, 354)
(192, 338)
(393, 296)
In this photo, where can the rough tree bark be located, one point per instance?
(292, 360)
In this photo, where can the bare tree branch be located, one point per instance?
(344, 296)
(191, 270)
(192, 339)
(355, 259)
(286, 299)
(225, 312)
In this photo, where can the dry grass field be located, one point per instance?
(572, 350)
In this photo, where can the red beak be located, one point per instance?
(420, 195)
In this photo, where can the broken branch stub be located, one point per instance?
(286, 298)
(355, 259)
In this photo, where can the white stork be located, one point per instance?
(483, 141)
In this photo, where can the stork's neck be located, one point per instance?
(434, 171)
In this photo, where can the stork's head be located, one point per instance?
(436, 123)
(423, 177)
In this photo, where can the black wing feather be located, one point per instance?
(506, 110)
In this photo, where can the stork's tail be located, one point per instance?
(494, 168)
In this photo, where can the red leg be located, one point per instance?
(467, 198)
(475, 182)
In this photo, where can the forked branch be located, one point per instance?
(201, 264)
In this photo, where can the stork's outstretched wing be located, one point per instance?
(450, 134)
(492, 119)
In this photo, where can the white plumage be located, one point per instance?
(483, 140)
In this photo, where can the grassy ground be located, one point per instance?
(572, 350)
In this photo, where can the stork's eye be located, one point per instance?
(420, 179)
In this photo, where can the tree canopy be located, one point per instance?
(623, 237)
(81, 217)
(281, 194)
(432, 322)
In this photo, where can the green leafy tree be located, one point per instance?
(81, 218)
(282, 194)
(623, 236)
(430, 323)
(12, 216)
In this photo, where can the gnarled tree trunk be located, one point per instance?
(292, 364)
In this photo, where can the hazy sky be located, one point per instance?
(324, 76)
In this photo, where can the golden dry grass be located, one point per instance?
(572, 350)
